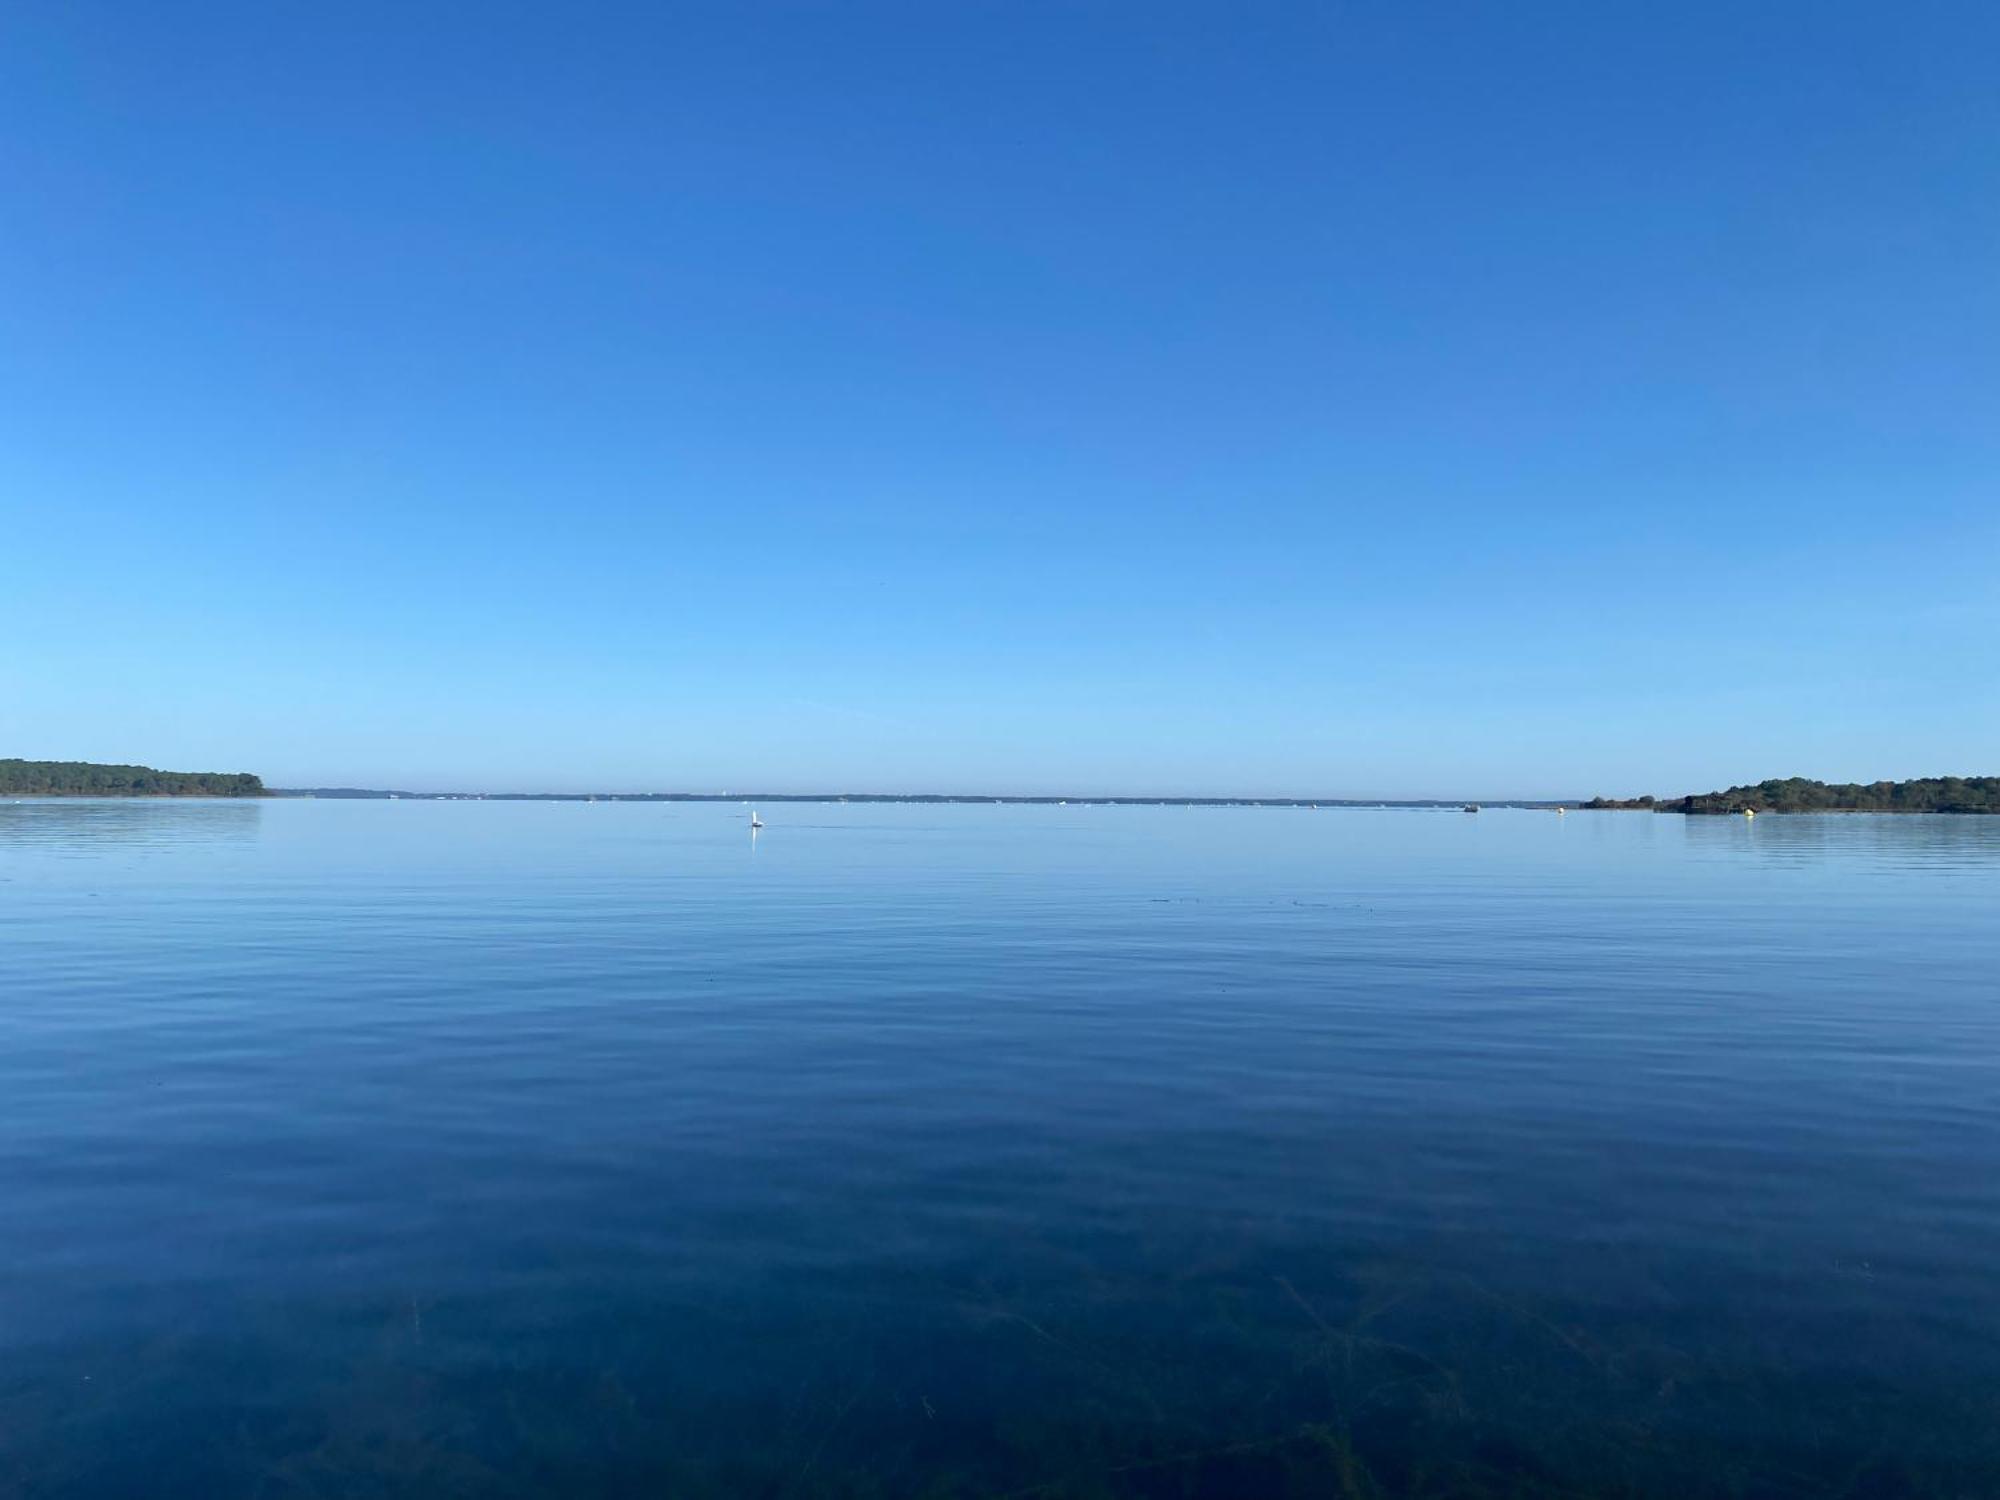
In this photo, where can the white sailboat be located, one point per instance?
(755, 821)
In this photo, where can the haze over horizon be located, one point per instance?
(1039, 400)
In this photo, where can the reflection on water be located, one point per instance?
(408, 1149)
(1920, 843)
(82, 825)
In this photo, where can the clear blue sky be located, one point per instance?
(1384, 399)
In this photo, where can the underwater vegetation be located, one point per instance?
(1379, 1379)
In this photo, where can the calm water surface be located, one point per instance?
(425, 1149)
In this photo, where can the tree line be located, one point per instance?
(82, 778)
(1795, 794)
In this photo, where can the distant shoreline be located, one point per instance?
(969, 799)
(1943, 794)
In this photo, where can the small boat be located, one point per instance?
(755, 821)
(1472, 807)
(1749, 812)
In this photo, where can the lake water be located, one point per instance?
(407, 1148)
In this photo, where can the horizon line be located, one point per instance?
(973, 798)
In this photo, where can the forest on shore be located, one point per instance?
(83, 778)
(1795, 794)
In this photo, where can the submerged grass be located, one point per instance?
(1370, 1381)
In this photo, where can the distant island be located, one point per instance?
(1795, 794)
(82, 778)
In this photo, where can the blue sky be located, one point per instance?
(1334, 399)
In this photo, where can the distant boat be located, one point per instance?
(755, 821)
(1472, 807)
(1560, 811)
(1749, 812)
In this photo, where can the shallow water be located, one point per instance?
(371, 1148)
